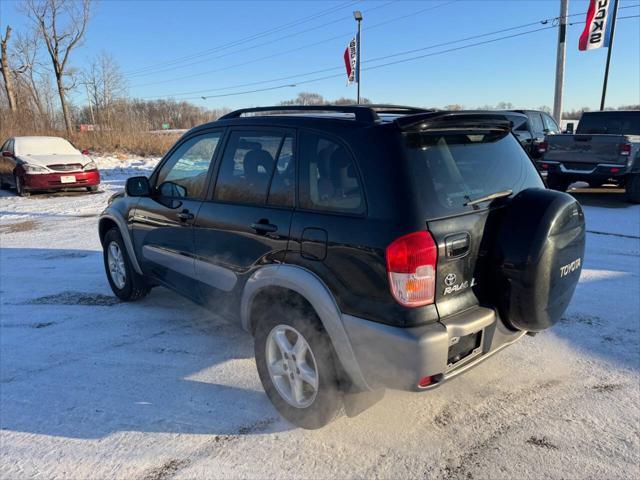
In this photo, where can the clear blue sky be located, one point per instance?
(519, 70)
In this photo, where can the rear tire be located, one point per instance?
(20, 190)
(93, 188)
(126, 283)
(632, 188)
(557, 182)
(277, 333)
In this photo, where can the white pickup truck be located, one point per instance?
(605, 148)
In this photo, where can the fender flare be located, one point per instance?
(124, 233)
(311, 288)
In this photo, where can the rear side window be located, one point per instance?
(450, 169)
(328, 176)
(612, 123)
(248, 166)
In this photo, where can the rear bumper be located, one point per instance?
(53, 181)
(584, 171)
(397, 358)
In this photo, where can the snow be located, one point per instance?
(161, 388)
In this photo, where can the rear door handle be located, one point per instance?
(263, 226)
(186, 215)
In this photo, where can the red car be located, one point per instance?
(46, 163)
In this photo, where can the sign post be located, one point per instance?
(606, 68)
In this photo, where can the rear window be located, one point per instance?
(611, 123)
(451, 169)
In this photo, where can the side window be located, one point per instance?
(328, 176)
(536, 123)
(550, 124)
(184, 174)
(282, 190)
(246, 168)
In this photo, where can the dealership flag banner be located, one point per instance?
(597, 31)
(350, 60)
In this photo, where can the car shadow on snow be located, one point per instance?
(77, 363)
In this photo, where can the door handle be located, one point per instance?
(457, 245)
(186, 215)
(263, 226)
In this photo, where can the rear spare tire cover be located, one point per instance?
(539, 252)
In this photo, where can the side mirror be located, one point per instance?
(569, 127)
(138, 187)
(7, 154)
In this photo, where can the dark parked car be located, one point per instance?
(364, 248)
(605, 149)
(531, 132)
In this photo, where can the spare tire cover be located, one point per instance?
(538, 254)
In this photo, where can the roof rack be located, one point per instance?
(361, 113)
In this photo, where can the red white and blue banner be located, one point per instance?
(597, 31)
(351, 60)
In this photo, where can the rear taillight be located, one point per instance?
(411, 265)
(542, 147)
(625, 149)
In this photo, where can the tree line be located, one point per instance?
(38, 78)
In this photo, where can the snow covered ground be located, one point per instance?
(93, 388)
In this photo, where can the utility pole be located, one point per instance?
(606, 69)
(358, 16)
(562, 35)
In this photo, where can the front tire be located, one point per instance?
(124, 281)
(632, 188)
(296, 366)
(20, 190)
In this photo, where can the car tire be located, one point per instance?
(632, 188)
(92, 188)
(557, 182)
(124, 281)
(20, 190)
(303, 388)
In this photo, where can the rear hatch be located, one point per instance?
(464, 170)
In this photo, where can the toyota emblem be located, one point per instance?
(450, 280)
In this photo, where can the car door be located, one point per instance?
(538, 131)
(245, 222)
(162, 223)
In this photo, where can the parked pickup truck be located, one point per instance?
(605, 148)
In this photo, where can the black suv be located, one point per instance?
(363, 247)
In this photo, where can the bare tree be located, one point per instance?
(26, 49)
(105, 85)
(7, 73)
(62, 24)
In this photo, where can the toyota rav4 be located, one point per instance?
(363, 247)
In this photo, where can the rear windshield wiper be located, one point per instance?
(486, 198)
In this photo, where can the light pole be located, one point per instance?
(358, 16)
(562, 33)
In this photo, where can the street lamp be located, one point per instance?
(358, 17)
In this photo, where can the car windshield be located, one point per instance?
(451, 169)
(44, 146)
